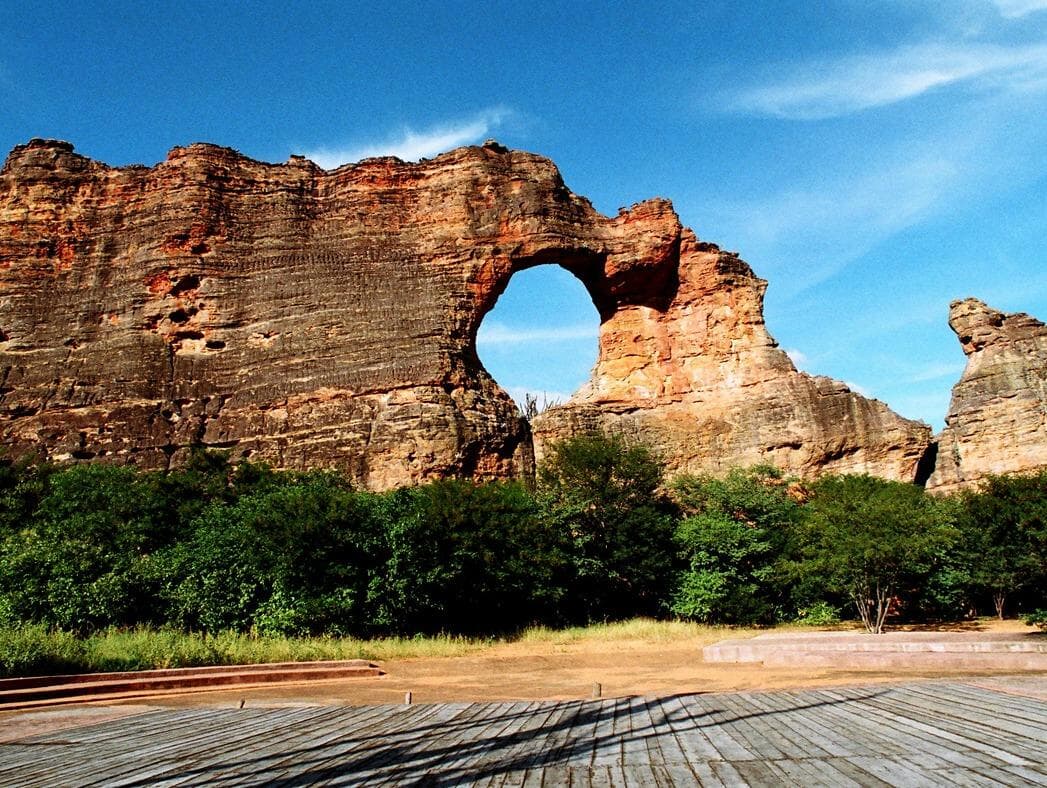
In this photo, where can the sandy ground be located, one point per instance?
(542, 670)
(550, 670)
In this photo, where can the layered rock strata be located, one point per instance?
(997, 420)
(312, 318)
(694, 374)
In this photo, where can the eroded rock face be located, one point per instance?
(311, 318)
(697, 377)
(997, 420)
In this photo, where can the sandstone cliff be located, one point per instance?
(997, 420)
(311, 318)
(694, 374)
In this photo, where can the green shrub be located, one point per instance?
(81, 561)
(731, 543)
(469, 558)
(32, 649)
(873, 540)
(820, 614)
(604, 496)
(1036, 618)
(292, 558)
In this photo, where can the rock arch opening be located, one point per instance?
(540, 341)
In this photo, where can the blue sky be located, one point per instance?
(873, 161)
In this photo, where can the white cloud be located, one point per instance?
(500, 334)
(1013, 9)
(798, 357)
(411, 145)
(853, 84)
(938, 371)
(817, 230)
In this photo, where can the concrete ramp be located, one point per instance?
(945, 650)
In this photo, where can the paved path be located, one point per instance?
(981, 732)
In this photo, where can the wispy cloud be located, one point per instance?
(499, 334)
(937, 371)
(842, 87)
(1013, 9)
(798, 357)
(411, 144)
(818, 229)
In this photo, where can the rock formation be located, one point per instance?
(311, 318)
(997, 420)
(693, 373)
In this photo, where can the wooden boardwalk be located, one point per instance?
(923, 733)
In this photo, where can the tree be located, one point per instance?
(469, 558)
(605, 497)
(872, 540)
(730, 542)
(1004, 525)
(83, 557)
(297, 555)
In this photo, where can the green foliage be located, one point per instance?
(1036, 618)
(1004, 530)
(32, 650)
(731, 543)
(83, 559)
(871, 539)
(293, 558)
(820, 614)
(274, 555)
(469, 558)
(604, 496)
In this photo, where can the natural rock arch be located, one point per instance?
(312, 318)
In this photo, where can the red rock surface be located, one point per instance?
(311, 318)
(694, 374)
(997, 420)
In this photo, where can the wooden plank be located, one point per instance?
(184, 761)
(607, 749)
(632, 731)
(336, 758)
(486, 757)
(896, 739)
(973, 709)
(344, 731)
(406, 751)
(1009, 750)
(518, 742)
(708, 715)
(569, 742)
(756, 740)
(124, 751)
(688, 733)
(892, 734)
(802, 728)
(670, 751)
(919, 733)
(193, 755)
(347, 732)
(757, 718)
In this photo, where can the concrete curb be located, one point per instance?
(946, 650)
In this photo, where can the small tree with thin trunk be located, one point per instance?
(872, 540)
(1004, 524)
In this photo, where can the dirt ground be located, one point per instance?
(550, 670)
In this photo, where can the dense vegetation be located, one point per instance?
(214, 548)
